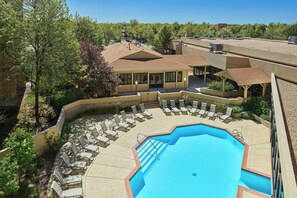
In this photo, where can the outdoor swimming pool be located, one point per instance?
(194, 161)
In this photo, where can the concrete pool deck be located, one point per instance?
(105, 177)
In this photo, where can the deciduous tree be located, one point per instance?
(98, 76)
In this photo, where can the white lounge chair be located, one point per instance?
(227, 115)
(119, 123)
(212, 111)
(73, 192)
(203, 108)
(144, 111)
(105, 130)
(136, 114)
(73, 179)
(83, 155)
(182, 106)
(174, 109)
(165, 107)
(130, 121)
(86, 145)
(194, 108)
(99, 137)
(76, 164)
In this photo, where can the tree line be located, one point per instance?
(107, 33)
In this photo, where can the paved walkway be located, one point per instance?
(105, 176)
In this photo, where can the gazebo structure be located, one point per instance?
(246, 77)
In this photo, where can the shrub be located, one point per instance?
(256, 106)
(218, 85)
(247, 115)
(236, 109)
(66, 129)
(265, 117)
(61, 98)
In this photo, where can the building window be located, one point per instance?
(141, 78)
(179, 76)
(170, 76)
(126, 79)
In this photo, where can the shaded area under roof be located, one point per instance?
(188, 59)
(288, 94)
(245, 76)
(161, 64)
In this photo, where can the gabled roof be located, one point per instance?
(188, 59)
(246, 76)
(126, 50)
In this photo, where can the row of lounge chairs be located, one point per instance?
(127, 122)
(194, 110)
(85, 149)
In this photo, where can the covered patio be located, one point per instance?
(245, 78)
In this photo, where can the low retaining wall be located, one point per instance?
(225, 94)
(72, 110)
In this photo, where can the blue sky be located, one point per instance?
(197, 11)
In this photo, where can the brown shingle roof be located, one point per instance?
(162, 64)
(188, 59)
(122, 49)
(246, 76)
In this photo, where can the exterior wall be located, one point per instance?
(284, 183)
(282, 71)
(145, 87)
(226, 94)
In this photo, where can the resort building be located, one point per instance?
(142, 69)
(253, 64)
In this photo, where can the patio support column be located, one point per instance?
(164, 81)
(204, 73)
(246, 87)
(132, 82)
(175, 79)
(148, 81)
(224, 80)
(264, 86)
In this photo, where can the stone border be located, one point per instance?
(243, 166)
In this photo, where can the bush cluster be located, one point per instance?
(218, 85)
(61, 98)
(258, 107)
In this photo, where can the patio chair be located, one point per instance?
(145, 112)
(182, 106)
(194, 108)
(83, 155)
(99, 137)
(73, 179)
(136, 114)
(108, 132)
(76, 164)
(120, 123)
(73, 192)
(130, 121)
(174, 109)
(203, 108)
(212, 111)
(227, 115)
(87, 146)
(165, 107)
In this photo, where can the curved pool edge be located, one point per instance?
(240, 190)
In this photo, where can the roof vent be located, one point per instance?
(216, 48)
(292, 40)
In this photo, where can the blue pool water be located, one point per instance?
(194, 161)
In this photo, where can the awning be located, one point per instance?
(245, 76)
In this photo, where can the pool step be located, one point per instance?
(149, 151)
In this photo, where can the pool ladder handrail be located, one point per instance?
(148, 140)
(237, 134)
